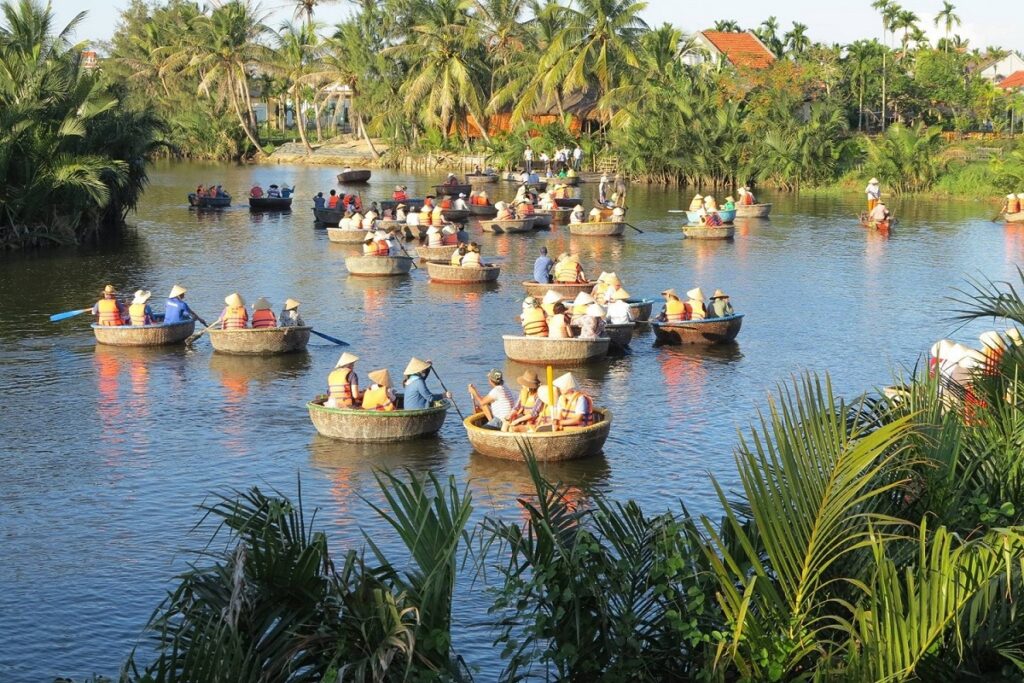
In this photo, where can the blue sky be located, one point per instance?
(985, 22)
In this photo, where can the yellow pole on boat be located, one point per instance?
(551, 392)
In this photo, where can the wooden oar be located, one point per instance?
(329, 338)
(69, 314)
(994, 218)
(192, 338)
(677, 210)
(445, 389)
(407, 254)
(635, 228)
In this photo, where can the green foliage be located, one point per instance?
(907, 159)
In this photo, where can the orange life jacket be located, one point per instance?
(376, 398)
(1013, 205)
(675, 311)
(446, 203)
(448, 239)
(137, 314)
(382, 248)
(399, 195)
(234, 318)
(332, 202)
(262, 319)
(109, 313)
(339, 384)
(566, 408)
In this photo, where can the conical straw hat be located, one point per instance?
(583, 299)
(719, 294)
(551, 297)
(346, 359)
(697, 294)
(566, 382)
(415, 367)
(381, 377)
(620, 295)
(291, 304)
(261, 304)
(176, 290)
(670, 292)
(234, 299)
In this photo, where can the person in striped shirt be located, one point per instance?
(497, 404)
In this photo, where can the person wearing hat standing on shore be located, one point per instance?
(695, 306)
(497, 404)
(262, 315)
(574, 408)
(720, 306)
(290, 315)
(139, 312)
(417, 395)
(874, 194)
(674, 310)
(343, 384)
(379, 396)
(175, 308)
(234, 316)
(109, 311)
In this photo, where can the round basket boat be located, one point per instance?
(485, 210)
(475, 179)
(378, 266)
(541, 221)
(452, 190)
(442, 272)
(144, 335)
(567, 289)
(263, 341)
(328, 217)
(880, 226)
(270, 203)
(456, 215)
(354, 424)
(602, 229)
(547, 351)
(704, 232)
(346, 236)
(198, 202)
(641, 309)
(620, 335)
(442, 253)
(569, 444)
(567, 202)
(693, 217)
(753, 210)
(507, 226)
(710, 331)
(1015, 217)
(357, 176)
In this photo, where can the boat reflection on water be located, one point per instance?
(123, 390)
(499, 484)
(688, 369)
(236, 371)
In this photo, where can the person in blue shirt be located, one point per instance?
(176, 310)
(319, 201)
(286, 191)
(417, 396)
(542, 267)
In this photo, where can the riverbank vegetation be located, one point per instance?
(72, 156)
(493, 76)
(874, 539)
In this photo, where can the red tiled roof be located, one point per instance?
(1014, 80)
(741, 49)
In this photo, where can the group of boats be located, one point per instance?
(698, 228)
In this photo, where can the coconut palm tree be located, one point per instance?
(906, 21)
(796, 39)
(948, 19)
(296, 48)
(727, 26)
(768, 33)
(862, 58)
(305, 8)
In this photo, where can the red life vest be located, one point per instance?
(262, 319)
(332, 201)
(109, 313)
(446, 203)
(234, 318)
(399, 195)
(382, 248)
(449, 239)
(339, 384)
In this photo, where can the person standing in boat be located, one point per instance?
(874, 194)
(175, 308)
(574, 408)
(417, 395)
(109, 311)
(497, 404)
(379, 396)
(140, 313)
(290, 315)
(234, 316)
(720, 306)
(343, 384)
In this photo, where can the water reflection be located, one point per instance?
(237, 370)
(503, 482)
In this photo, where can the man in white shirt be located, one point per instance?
(577, 157)
(618, 310)
(460, 203)
(528, 159)
(497, 404)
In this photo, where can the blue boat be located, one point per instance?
(693, 217)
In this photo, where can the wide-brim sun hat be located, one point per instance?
(261, 304)
(566, 382)
(415, 367)
(346, 359)
(142, 296)
(291, 304)
(528, 379)
(176, 291)
(234, 299)
(697, 294)
(381, 377)
(719, 294)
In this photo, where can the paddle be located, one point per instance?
(635, 228)
(329, 338)
(69, 314)
(443, 387)
(994, 218)
(192, 338)
(407, 254)
(677, 210)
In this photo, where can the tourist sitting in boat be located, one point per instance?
(504, 213)
(711, 220)
(274, 191)
(425, 214)
(580, 303)
(674, 310)
(746, 196)
(695, 307)
(286, 192)
(200, 190)
(346, 222)
(568, 269)
(533, 318)
(318, 201)
(542, 267)
(394, 244)
(417, 396)
(450, 236)
(730, 204)
(458, 254)
(412, 219)
(446, 202)
(483, 199)
(332, 200)
(710, 204)
(558, 322)
(256, 192)
(357, 219)
(472, 257)
(369, 220)
(219, 192)
(175, 308)
(343, 384)
(290, 315)
(525, 208)
(234, 316)
(527, 400)
(574, 408)
(380, 242)
(618, 311)
(697, 204)
(551, 297)
(437, 216)
(720, 306)
(590, 323)
(618, 214)
(400, 194)
(379, 396)
(460, 203)
(433, 236)
(497, 404)
(577, 216)
(400, 213)
(109, 311)
(879, 214)
(545, 202)
(262, 315)
(451, 180)
(139, 312)
(369, 246)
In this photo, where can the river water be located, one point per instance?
(106, 451)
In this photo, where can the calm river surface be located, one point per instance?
(106, 451)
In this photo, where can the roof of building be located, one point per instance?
(1014, 80)
(743, 50)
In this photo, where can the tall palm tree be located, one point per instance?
(768, 33)
(728, 26)
(948, 19)
(796, 39)
(860, 59)
(906, 21)
(295, 49)
(305, 8)
(503, 33)
(888, 10)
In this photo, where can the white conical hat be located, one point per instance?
(346, 359)
(234, 299)
(566, 382)
(697, 294)
(583, 299)
(551, 297)
(261, 304)
(416, 366)
(596, 310)
(992, 340)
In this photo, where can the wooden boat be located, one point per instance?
(456, 215)
(328, 217)
(880, 226)
(567, 289)
(475, 179)
(452, 190)
(620, 335)
(346, 236)
(707, 232)
(693, 217)
(641, 309)
(144, 335)
(602, 229)
(392, 204)
(567, 202)
(710, 331)
(1015, 217)
(378, 266)
(487, 211)
(573, 181)
(547, 351)
(442, 272)
(545, 446)
(438, 254)
(557, 215)
(264, 341)
(507, 226)
(270, 203)
(753, 210)
(208, 202)
(541, 221)
(355, 176)
(355, 424)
